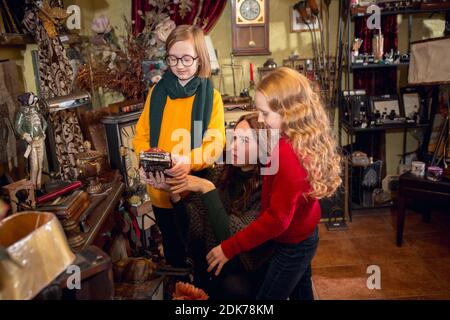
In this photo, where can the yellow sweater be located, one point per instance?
(177, 115)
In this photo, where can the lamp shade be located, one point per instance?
(430, 62)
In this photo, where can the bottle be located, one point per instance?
(378, 46)
(364, 122)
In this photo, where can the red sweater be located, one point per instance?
(286, 215)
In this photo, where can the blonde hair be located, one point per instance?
(306, 124)
(196, 35)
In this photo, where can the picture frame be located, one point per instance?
(412, 100)
(296, 23)
(296, 64)
(386, 103)
(411, 104)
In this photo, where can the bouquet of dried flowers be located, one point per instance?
(119, 67)
(113, 67)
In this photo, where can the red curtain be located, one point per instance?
(377, 81)
(204, 13)
(136, 6)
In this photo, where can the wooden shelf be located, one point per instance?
(98, 219)
(384, 127)
(362, 11)
(355, 66)
(356, 206)
(17, 39)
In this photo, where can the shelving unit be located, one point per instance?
(356, 66)
(347, 16)
(384, 127)
(17, 39)
(361, 12)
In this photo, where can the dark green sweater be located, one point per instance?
(210, 219)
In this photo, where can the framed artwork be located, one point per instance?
(414, 104)
(411, 104)
(297, 24)
(296, 64)
(386, 104)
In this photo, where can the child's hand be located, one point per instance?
(143, 176)
(216, 258)
(181, 168)
(159, 181)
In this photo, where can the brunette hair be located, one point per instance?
(306, 124)
(196, 35)
(253, 183)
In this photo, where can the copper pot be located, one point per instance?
(90, 165)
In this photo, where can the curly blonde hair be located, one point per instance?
(307, 126)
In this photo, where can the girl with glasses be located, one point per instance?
(183, 101)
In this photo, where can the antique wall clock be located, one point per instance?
(120, 131)
(250, 27)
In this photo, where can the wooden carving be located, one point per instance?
(55, 75)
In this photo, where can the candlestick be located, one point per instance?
(251, 71)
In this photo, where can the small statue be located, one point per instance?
(30, 125)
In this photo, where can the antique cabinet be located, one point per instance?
(120, 130)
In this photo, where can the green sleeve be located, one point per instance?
(217, 215)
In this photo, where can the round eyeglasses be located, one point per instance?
(186, 60)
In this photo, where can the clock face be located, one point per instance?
(249, 12)
(250, 9)
(130, 161)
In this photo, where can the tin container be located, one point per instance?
(434, 173)
(418, 169)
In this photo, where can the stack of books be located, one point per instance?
(69, 210)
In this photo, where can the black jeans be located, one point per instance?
(289, 272)
(235, 282)
(174, 228)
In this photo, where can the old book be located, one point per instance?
(68, 206)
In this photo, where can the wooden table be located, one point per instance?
(96, 278)
(412, 187)
(101, 219)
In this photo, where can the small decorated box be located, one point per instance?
(155, 160)
(434, 173)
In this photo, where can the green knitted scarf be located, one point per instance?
(201, 110)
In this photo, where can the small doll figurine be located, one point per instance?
(30, 125)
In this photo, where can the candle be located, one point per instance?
(251, 71)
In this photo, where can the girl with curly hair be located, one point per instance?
(308, 170)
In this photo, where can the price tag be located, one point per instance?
(64, 38)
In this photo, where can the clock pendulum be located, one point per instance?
(251, 43)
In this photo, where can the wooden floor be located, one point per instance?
(420, 269)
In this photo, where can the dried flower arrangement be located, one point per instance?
(119, 67)
(114, 68)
